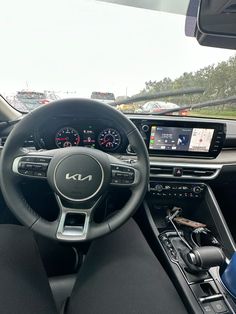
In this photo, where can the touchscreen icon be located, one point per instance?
(183, 140)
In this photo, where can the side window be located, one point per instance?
(153, 106)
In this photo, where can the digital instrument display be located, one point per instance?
(180, 139)
(89, 138)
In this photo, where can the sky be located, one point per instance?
(83, 46)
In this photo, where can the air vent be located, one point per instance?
(28, 143)
(164, 170)
(199, 172)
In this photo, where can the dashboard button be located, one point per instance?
(219, 306)
(208, 309)
(145, 128)
(159, 187)
(197, 189)
(177, 172)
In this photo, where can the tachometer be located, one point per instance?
(67, 137)
(109, 139)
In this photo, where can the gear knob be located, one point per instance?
(206, 257)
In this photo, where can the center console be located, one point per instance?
(195, 242)
(191, 237)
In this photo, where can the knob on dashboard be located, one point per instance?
(197, 189)
(145, 128)
(158, 187)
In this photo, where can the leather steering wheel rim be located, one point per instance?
(13, 149)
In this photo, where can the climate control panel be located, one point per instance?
(176, 190)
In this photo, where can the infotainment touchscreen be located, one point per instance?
(181, 139)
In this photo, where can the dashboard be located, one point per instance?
(202, 148)
(172, 137)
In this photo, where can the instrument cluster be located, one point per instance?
(100, 135)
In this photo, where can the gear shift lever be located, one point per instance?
(205, 257)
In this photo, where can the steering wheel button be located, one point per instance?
(21, 165)
(119, 175)
(26, 172)
(125, 175)
(29, 166)
(127, 182)
(129, 170)
(39, 174)
(44, 166)
(28, 159)
(37, 166)
(42, 160)
(116, 181)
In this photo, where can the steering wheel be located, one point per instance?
(78, 176)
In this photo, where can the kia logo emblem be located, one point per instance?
(78, 177)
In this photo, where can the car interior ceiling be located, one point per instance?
(189, 204)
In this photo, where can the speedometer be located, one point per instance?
(109, 139)
(67, 137)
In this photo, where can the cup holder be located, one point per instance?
(204, 237)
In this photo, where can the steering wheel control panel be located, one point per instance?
(177, 190)
(182, 138)
(31, 166)
(122, 175)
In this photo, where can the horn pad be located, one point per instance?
(78, 177)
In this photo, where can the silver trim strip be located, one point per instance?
(218, 210)
(73, 233)
(210, 298)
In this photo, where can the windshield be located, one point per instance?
(107, 52)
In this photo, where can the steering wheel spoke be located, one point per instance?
(74, 221)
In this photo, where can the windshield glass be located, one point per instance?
(107, 52)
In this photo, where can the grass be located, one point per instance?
(214, 113)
